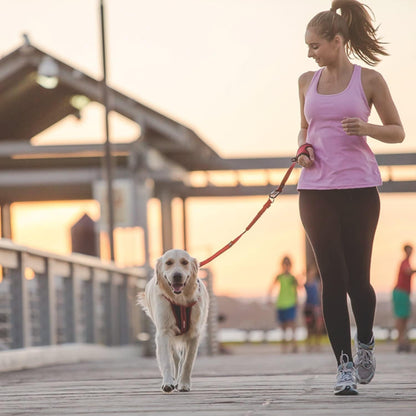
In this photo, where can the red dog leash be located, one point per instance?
(272, 196)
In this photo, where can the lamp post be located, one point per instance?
(107, 146)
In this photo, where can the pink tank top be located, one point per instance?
(341, 161)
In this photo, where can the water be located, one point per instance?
(276, 335)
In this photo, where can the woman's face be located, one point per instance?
(320, 49)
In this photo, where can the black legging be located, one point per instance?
(340, 225)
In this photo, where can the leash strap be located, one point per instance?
(272, 196)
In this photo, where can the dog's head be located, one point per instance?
(177, 271)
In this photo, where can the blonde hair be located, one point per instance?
(355, 25)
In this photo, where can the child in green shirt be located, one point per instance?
(286, 302)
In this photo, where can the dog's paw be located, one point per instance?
(168, 388)
(184, 387)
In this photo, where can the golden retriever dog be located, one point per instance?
(177, 302)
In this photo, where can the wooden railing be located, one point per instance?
(49, 299)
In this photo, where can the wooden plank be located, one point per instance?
(82, 272)
(254, 380)
(60, 268)
(36, 263)
(9, 258)
(101, 276)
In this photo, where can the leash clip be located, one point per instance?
(274, 194)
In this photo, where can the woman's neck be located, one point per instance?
(339, 67)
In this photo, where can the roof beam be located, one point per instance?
(262, 163)
(211, 191)
(13, 147)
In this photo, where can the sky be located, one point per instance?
(227, 69)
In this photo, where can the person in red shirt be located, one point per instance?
(401, 300)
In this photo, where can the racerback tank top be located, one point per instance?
(341, 161)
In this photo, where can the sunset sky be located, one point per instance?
(227, 69)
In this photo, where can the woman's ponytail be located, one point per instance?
(355, 25)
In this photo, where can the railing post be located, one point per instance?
(110, 308)
(91, 302)
(148, 329)
(20, 316)
(72, 306)
(47, 305)
(124, 318)
(115, 318)
(133, 309)
(107, 312)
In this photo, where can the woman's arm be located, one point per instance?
(304, 81)
(377, 92)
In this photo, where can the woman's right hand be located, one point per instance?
(305, 161)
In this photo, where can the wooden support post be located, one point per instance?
(167, 228)
(6, 222)
(184, 219)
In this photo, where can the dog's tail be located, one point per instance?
(141, 301)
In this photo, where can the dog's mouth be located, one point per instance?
(177, 288)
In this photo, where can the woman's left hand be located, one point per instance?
(354, 126)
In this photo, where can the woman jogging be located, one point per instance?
(339, 202)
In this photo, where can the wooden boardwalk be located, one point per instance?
(254, 380)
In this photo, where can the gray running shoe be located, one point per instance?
(346, 384)
(365, 361)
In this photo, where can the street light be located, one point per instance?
(107, 146)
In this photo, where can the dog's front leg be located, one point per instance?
(184, 383)
(165, 360)
(176, 354)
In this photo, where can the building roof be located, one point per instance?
(27, 108)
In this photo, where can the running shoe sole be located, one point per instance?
(364, 380)
(346, 391)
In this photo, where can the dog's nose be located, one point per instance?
(177, 277)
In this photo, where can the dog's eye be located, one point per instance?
(169, 263)
(184, 262)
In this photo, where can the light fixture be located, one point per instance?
(47, 73)
(79, 101)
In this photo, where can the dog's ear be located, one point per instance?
(158, 269)
(194, 267)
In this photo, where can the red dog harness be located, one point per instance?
(182, 315)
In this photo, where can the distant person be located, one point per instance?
(401, 300)
(338, 197)
(312, 310)
(286, 303)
